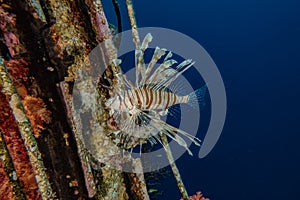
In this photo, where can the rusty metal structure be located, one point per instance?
(44, 44)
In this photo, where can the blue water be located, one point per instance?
(256, 47)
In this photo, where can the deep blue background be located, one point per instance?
(256, 46)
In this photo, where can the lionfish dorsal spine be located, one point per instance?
(139, 59)
(177, 74)
(162, 76)
(158, 53)
(148, 38)
(156, 77)
(139, 63)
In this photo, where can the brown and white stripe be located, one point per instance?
(152, 99)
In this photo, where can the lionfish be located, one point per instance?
(137, 109)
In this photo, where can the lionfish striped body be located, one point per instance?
(137, 109)
(148, 99)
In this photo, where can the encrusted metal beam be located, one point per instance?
(10, 170)
(174, 167)
(8, 89)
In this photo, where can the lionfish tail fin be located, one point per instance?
(197, 98)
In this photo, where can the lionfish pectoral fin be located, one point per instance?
(152, 141)
(177, 139)
(141, 145)
(197, 98)
(175, 131)
(172, 132)
(194, 139)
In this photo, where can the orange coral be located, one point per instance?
(18, 69)
(37, 113)
(197, 196)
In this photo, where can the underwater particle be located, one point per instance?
(66, 137)
(151, 190)
(73, 183)
(51, 69)
(76, 192)
(14, 176)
